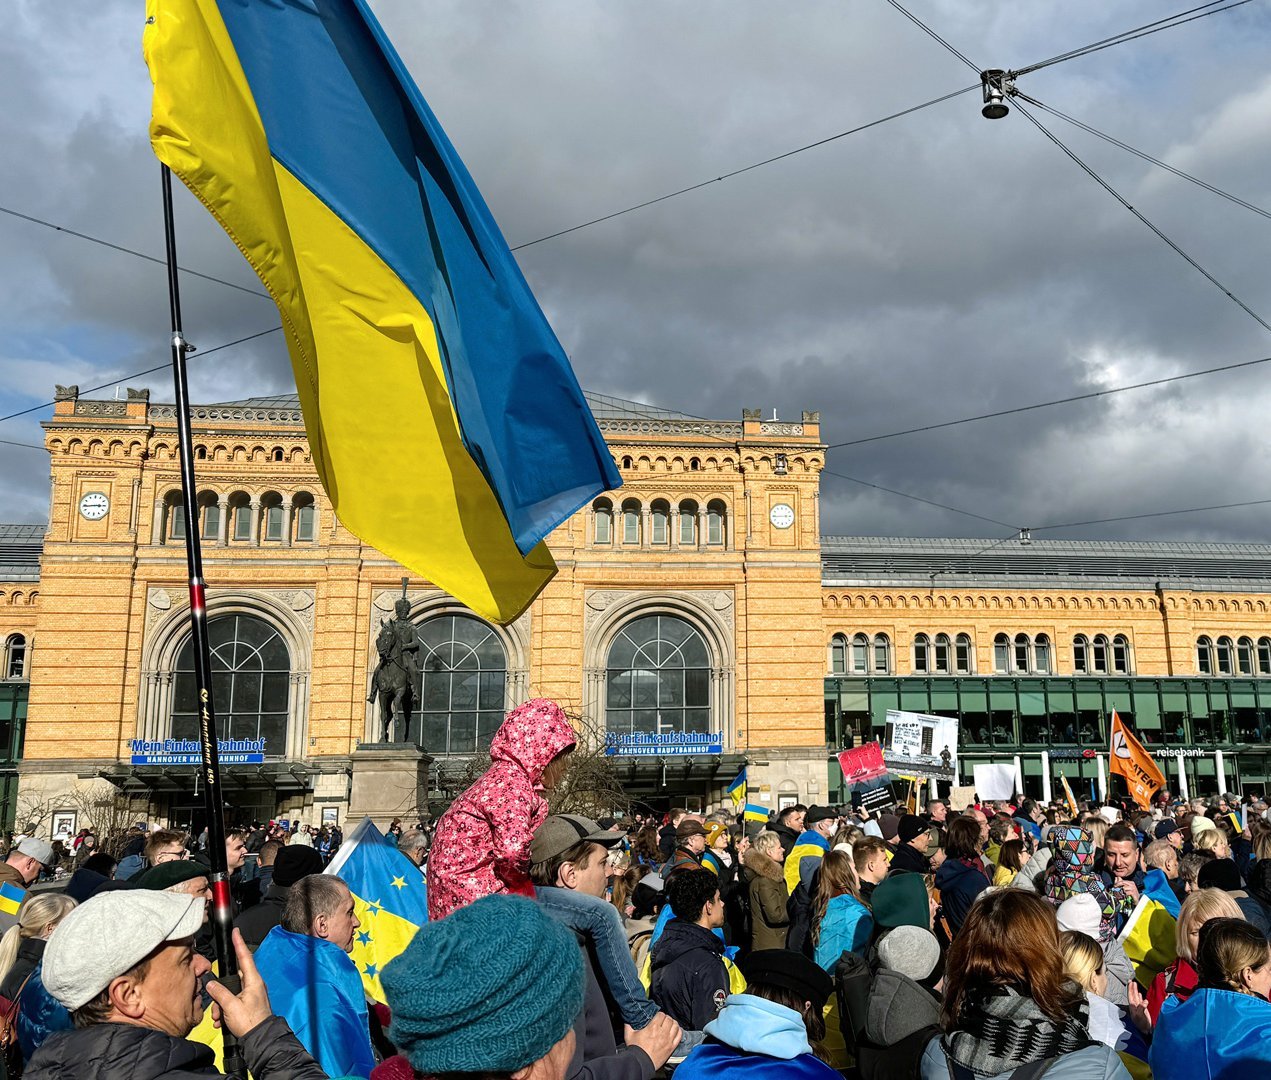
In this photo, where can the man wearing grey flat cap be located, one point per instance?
(125, 966)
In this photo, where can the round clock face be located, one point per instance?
(781, 516)
(94, 506)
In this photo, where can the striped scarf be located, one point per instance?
(1000, 1030)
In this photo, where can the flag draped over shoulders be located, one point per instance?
(389, 900)
(443, 416)
(1149, 935)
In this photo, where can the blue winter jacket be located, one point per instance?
(846, 927)
(1213, 1035)
(39, 1015)
(959, 884)
(757, 1039)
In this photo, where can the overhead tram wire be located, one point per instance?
(1048, 404)
(919, 498)
(927, 30)
(747, 168)
(127, 250)
(1211, 8)
(1149, 158)
(138, 374)
(1158, 514)
(1138, 214)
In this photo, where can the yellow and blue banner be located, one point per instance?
(389, 899)
(1149, 935)
(11, 898)
(754, 812)
(443, 416)
(737, 791)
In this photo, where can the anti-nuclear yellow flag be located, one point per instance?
(1130, 760)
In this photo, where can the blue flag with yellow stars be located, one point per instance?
(389, 900)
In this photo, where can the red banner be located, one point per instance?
(862, 764)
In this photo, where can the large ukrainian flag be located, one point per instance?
(443, 416)
(389, 899)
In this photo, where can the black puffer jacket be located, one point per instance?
(256, 922)
(124, 1052)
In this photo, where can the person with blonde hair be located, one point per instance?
(22, 945)
(766, 888)
(840, 920)
(1177, 982)
(1083, 964)
(1214, 840)
(1224, 1028)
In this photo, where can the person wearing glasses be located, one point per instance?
(165, 846)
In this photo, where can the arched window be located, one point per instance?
(1041, 654)
(306, 515)
(1223, 656)
(1264, 656)
(241, 515)
(602, 527)
(631, 522)
(838, 655)
(963, 654)
(277, 453)
(210, 515)
(715, 514)
(1121, 654)
(688, 523)
(1099, 654)
(626, 462)
(860, 655)
(882, 654)
(1020, 657)
(271, 510)
(1081, 655)
(940, 654)
(1001, 654)
(658, 678)
(659, 522)
(694, 464)
(251, 683)
(1244, 656)
(1204, 656)
(15, 657)
(922, 654)
(174, 517)
(463, 691)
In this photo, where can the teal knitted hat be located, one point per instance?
(490, 988)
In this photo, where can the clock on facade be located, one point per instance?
(94, 506)
(781, 516)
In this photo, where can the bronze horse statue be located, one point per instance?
(393, 681)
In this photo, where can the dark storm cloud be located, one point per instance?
(937, 266)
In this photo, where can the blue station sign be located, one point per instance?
(188, 752)
(674, 743)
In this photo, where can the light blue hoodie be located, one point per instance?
(758, 1039)
(846, 927)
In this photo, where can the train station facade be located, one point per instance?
(700, 621)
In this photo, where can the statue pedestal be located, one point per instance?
(389, 780)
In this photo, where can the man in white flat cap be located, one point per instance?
(20, 869)
(123, 963)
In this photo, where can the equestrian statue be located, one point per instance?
(393, 682)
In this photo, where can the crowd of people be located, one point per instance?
(992, 941)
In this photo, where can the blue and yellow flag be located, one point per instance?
(389, 899)
(1149, 935)
(737, 791)
(754, 812)
(443, 416)
(11, 898)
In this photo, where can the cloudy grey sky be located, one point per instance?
(937, 266)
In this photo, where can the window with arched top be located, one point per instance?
(251, 683)
(1022, 646)
(462, 690)
(602, 521)
(1041, 654)
(1121, 655)
(882, 654)
(688, 523)
(173, 524)
(631, 522)
(1223, 658)
(277, 455)
(15, 657)
(209, 515)
(715, 514)
(626, 462)
(838, 655)
(860, 654)
(240, 512)
(1001, 654)
(1081, 654)
(1204, 656)
(1264, 656)
(963, 655)
(922, 654)
(1244, 656)
(940, 654)
(304, 510)
(658, 678)
(660, 522)
(1099, 654)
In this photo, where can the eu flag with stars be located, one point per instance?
(389, 899)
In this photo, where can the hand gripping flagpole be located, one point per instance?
(222, 916)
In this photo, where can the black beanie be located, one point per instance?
(1219, 874)
(294, 862)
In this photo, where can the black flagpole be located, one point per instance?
(222, 915)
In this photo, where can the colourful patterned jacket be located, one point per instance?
(482, 843)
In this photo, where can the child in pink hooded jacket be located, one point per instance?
(482, 843)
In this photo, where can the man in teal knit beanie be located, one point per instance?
(492, 988)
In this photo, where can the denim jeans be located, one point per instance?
(601, 922)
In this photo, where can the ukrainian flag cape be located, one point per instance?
(1148, 938)
(389, 900)
(444, 419)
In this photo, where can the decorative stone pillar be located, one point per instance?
(286, 521)
(297, 718)
(701, 528)
(255, 511)
(674, 538)
(646, 525)
(222, 530)
(156, 528)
